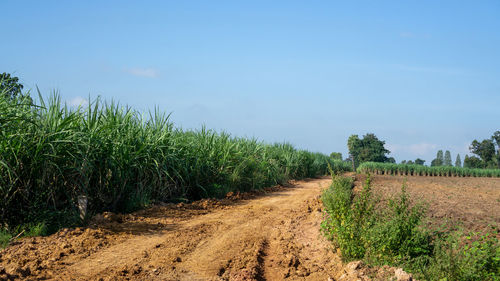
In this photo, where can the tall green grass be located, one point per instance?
(420, 170)
(122, 160)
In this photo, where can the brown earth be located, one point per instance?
(269, 235)
(471, 204)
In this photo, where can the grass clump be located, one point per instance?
(392, 233)
(5, 237)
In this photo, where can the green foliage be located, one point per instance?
(447, 158)
(458, 161)
(369, 148)
(341, 226)
(10, 86)
(5, 237)
(420, 170)
(361, 231)
(488, 151)
(439, 161)
(419, 161)
(336, 155)
(397, 236)
(473, 162)
(50, 154)
(485, 150)
(460, 257)
(496, 139)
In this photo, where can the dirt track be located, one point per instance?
(271, 236)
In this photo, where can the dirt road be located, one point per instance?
(270, 236)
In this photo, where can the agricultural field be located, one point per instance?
(469, 203)
(421, 170)
(122, 160)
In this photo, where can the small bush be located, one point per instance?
(5, 237)
(460, 257)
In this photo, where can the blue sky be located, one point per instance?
(421, 75)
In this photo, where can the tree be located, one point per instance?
(410, 162)
(369, 148)
(336, 155)
(473, 162)
(439, 161)
(485, 150)
(391, 160)
(419, 161)
(496, 138)
(447, 158)
(458, 161)
(403, 162)
(10, 86)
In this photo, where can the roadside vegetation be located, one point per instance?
(421, 170)
(121, 160)
(393, 233)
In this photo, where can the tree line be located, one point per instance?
(486, 153)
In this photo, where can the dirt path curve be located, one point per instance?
(274, 236)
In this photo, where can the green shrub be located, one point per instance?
(397, 235)
(5, 237)
(457, 257)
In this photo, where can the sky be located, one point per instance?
(421, 75)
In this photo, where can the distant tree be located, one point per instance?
(440, 157)
(439, 161)
(10, 86)
(473, 162)
(458, 161)
(496, 139)
(369, 148)
(419, 161)
(447, 158)
(391, 160)
(336, 155)
(485, 150)
(403, 162)
(409, 162)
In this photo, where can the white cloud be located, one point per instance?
(78, 101)
(417, 149)
(142, 72)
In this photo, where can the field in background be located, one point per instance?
(421, 170)
(472, 203)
